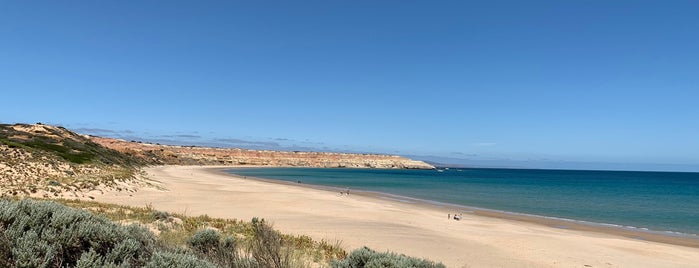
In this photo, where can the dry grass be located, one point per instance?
(174, 230)
(46, 161)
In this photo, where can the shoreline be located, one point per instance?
(667, 237)
(417, 230)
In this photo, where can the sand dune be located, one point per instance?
(382, 224)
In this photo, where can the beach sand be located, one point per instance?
(385, 224)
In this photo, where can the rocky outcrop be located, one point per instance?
(191, 155)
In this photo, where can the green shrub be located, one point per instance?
(5, 249)
(205, 240)
(208, 245)
(180, 260)
(46, 234)
(368, 258)
(63, 150)
(90, 259)
(160, 215)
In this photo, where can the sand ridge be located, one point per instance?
(382, 224)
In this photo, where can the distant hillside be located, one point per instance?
(192, 155)
(48, 161)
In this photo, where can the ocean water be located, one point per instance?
(658, 201)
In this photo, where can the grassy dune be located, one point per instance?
(70, 233)
(53, 162)
(47, 161)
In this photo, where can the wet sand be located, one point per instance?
(638, 234)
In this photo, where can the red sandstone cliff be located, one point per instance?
(190, 155)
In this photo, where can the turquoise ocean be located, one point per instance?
(666, 202)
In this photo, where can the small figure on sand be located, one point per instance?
(449, 216)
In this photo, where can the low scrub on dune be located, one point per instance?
(46, 234)
(49, 234)
(48, 161)
(368, 258)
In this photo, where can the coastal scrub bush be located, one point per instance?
(205, 240)
(267, 246)
(46, 234)
(63, 150)
(160, 215)
(5, 249)
(175, 259)
(368, 258)
(208, 244)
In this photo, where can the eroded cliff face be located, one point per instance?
(48, 161)
(190, 155)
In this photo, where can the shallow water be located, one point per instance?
(660, 201)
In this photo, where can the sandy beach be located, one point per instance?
(384, 224)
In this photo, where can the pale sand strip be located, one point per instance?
(415, 230)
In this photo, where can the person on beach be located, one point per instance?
(449, 216)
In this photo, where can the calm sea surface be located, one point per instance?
(660, 201)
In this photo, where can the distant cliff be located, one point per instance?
(191, 155)
(49, 161)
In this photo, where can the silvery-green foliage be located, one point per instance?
(5, 249)
(205, 240)
(160, 215)
(46, 234)
(173, 259)
(368, 258)
(89, 259)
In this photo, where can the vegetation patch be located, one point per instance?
(58, 141)
(71, 154)
(366, 257)
(55, 162)
(176, 230)
(49, 234)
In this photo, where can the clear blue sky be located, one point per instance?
(540, 83)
